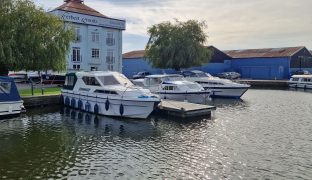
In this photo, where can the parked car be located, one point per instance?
(229, 75)
(141, 74)
(300, 72)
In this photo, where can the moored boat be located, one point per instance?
(107, 93)
(10, 100)
(174, 87)
(301, 81)
(220, 88)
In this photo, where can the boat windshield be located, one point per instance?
(173, 78)
(115, 80)
(202, 74)
(5, 87)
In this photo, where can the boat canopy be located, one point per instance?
(8, 90)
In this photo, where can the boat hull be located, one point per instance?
(230, 92)
(199, 97)
(109, 106)
(11, 108)
(300, 85)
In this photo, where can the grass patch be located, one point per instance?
(37, 91)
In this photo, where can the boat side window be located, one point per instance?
(105, 91)
(91, 81)
(154, 81)
(5, 87)
(307, 80)
(295, 79)
(109, 80)
(84, 89)
(169, 88)
(69, 81)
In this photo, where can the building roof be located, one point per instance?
(78, 6)
(261, 53)
(217, 55)
(133, 54)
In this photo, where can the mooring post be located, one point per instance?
(32, 87)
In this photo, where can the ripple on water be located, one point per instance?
(265, 135)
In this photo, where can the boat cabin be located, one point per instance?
(8, 90)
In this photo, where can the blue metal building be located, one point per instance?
(134, 62)
(270, 63)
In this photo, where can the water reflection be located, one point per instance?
(87, 123)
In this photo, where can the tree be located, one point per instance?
(31, 39)
(177, 45)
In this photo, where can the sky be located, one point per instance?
(232, 24)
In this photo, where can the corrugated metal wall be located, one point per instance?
(262, 68)
(133, 66)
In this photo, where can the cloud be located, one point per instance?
(232, 24)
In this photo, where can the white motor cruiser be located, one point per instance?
(107, 93)
(301, 81)
(10, 100)
(222, 88)
(174, 87)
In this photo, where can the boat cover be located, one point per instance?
(8, 90)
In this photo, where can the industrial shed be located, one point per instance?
(134, 62)
(270, 63)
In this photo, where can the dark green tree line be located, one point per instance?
(30, 38)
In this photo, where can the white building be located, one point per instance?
(98, 40)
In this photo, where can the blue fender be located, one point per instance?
(87, 107)
(73, 103)
(121, 109)
(107, 105)
(96, 109)
(67, 101)
(80, 105)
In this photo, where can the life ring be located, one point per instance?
(107, 105)
(80, 104)
(96, 109)
(73, 103)
(121, 109)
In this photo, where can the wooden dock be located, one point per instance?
(185, 109)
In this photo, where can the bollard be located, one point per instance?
(42, 91)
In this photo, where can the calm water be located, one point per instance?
(267, 135)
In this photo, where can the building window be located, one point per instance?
(110, 40)
(110, 60)
(95, 37)
(76, 67)
(76, 57)
(77, 35)
(96, 53)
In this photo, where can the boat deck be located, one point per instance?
(185, 109)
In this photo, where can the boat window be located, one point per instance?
(69, 81)
(307, 80)
(173, 78)
(105, 91)
(84, 89)
(202, 74)
(91, 81)
(109, 80)
(169, 88)
(153, 81)
(5, 87)
(295, 79)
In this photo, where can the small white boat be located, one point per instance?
(10, 100)
(107, 93)
(220, 88)
(301, 81)
(174, 87)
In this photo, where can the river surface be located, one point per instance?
(266, 135)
